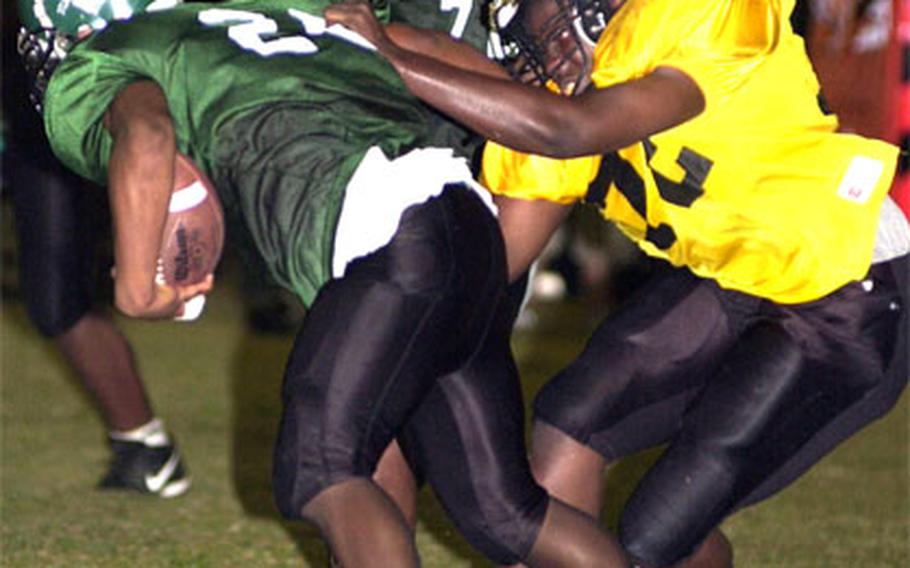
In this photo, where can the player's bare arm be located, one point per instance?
(528, 118)
(526, 227)
(526, 224)
(140, 179)
(442, 46)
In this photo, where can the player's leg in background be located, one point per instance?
(55, 223)
(629, 388)
(53, 214)
(55, 235)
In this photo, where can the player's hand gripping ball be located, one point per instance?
(194, 231)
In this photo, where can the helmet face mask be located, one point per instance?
(41, 52)
(50, 29)
(549, 42)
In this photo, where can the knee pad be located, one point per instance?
(53, 314)
(293, 489)
(499, 510)
(502, 529)
(302, 468)
(676, 505)
(289, 490)
(491, 497)
(579, 397)
(54, 225)
(56, 283)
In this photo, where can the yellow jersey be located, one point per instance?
(758, 192)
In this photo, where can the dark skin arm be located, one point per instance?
(440, 46)
(527, 118)
(140, 180)
(526, 224)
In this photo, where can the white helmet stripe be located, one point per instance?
(41, 14)
(91, 7)
(162, 5)
(121, 9)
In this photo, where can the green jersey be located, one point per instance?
(276, 109)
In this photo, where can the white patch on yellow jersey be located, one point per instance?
(861, 179)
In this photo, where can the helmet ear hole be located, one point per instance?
(593, 16)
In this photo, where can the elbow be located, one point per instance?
(564, 145)
(140, 111)
(147, 133)
(132, 303)
(557, 135)
(129, 307)
(561, 145)
(151, 133)
(550, 143)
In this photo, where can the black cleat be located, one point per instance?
(146, 468)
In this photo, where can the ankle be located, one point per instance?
(152, 433)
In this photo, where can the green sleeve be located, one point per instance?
(81, 90)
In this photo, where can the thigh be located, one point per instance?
(694, 484)
(849, 384)
(791, 390)
(376, 340)
(631, 384)
(54, 215)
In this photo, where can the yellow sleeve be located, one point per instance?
(527, 176)
(727, 49)
(718, 43)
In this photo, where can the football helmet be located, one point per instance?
(538, 40)
(50, 28)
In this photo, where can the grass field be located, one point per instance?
(216, 385)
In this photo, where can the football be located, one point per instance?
(194, 231)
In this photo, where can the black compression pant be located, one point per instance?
(747, 393)
(467, 440)
(421, 323)
(57, 217)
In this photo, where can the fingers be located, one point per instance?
(345, 11)
(357, 17)
(192, 299)
(190, 291)
(166, 300)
